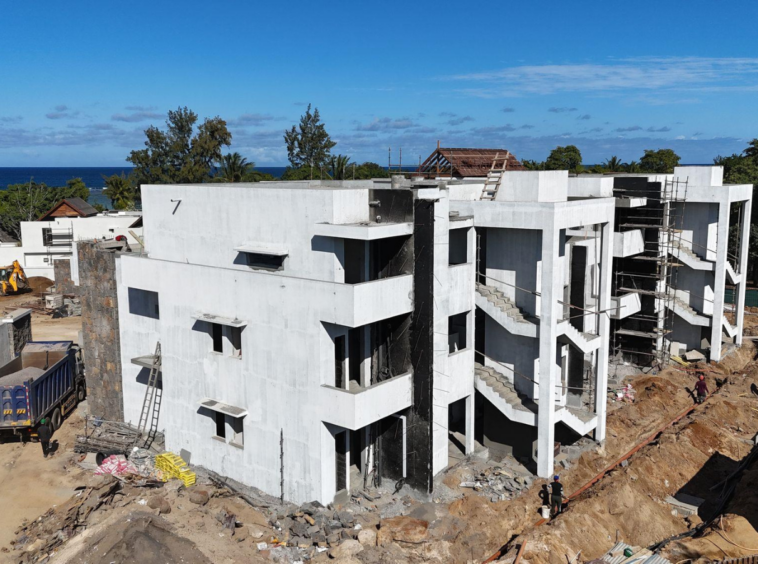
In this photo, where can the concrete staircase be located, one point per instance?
(581, 422)
(686, 312)
(730, 329)
(502, 309)
(688, 257)
(499, 391)
(585, 342)
(732, 274)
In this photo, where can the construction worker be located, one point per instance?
(44, 433)
(556, 497)
(701, 388)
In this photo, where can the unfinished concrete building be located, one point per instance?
(673, 260)
(313, 335)
(543, 276)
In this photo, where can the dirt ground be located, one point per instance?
(629, 504)
(44, 327)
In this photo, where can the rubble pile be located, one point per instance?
(39, 539)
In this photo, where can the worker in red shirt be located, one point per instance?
(701, 388)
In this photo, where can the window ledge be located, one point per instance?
(219, 439)
(459, 351)
(235, 445)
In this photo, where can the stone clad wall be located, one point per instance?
(62, 274)
(101, 346)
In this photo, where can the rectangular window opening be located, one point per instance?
(216, 333)
(456, 332)
(143, 303)
(234, 334)
(47, 236)
(339, 361)
(220, 425)
(458, 246)
(262, 261)
(237, 434)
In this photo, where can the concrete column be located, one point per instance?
(741, 287)
(470, 424)
(551, 284)
(604, 328)
(719, 285)
(348, 448)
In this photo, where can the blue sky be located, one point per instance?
(80, 81)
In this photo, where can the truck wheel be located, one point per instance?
(56, 419)
(81, 393)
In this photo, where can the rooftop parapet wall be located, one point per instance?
(700, 175)
(590, 187)
(533, 186)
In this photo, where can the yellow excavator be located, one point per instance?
(13, 279)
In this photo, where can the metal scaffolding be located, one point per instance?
(651, 274)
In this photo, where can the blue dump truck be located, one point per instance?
(46, 380)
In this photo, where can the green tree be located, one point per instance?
(338, 167)
(300, 173)
(632, 166)
(28, 201)
(533, 165)
(661, 161)
(613, 164)
(308, 144)
(120, 191)
(564, 158)
(234, 168)
(181, 154)
(367, 171)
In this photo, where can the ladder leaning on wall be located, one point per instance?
(151, 405)
(495, 176)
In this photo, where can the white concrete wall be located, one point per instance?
(202, 224)
(585, 186)
(286, 355)
(534, 186)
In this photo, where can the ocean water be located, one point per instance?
(92, 177)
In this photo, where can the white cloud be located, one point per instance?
(632, 74)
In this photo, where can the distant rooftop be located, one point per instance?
(462, 162)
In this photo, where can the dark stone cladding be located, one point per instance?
(62, 274)
(100, 331)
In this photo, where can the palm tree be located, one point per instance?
(120, 191)
(338, 165)
(633, 166)
(613, 164)
(234, 167)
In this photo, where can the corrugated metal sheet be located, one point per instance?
(639, 555)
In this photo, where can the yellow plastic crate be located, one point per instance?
(173, 466)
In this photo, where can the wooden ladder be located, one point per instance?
(495, 176)
(151, 405)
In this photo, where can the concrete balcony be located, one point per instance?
(356, 305)
(355, 409)
(461, 287)
(628, 243)
(625, 305)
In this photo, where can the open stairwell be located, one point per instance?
(585, 342)
(732, 274)
(688, 257)
(499, 391)
(502, 309)
(686, 312)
